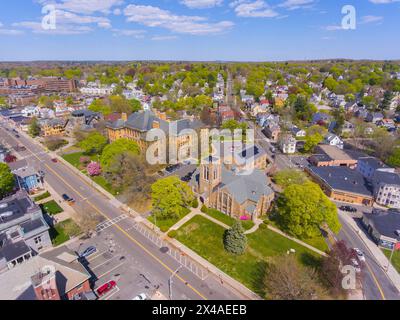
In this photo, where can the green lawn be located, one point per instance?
(73, 158)
(166, 224)
(227, 219)
(102, 182)
(205, 238)
(42, 196)
(63, 231)
(51, 208)
(395, 258)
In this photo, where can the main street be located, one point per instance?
(158, 265)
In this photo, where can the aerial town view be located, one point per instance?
(207, 150)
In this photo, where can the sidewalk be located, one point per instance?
(392, 274)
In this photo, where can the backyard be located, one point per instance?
(205, 238)
(51, 208)
(64, 231)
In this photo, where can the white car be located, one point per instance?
(141, 296)
(356, 265)
(360, 254)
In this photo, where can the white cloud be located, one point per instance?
(138, 34)
(296, 4)
(163, 38)
(10, 32)
(201, 4)
(255, 9)
(383, 1)
(155, 17)
(84, 6)
(68, 23)
(370, 19)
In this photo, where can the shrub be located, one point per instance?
(195, 203)
(263, 226)
(204, 209)
(84, 160)
(42, 196)
(172, 234)
(164, 228)
(54, 145)
(94, 169)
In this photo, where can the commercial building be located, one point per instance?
(331, 156)
(367, 166)
(383, 226)
(386, 189)
(343, 184)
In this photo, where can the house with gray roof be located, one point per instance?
(23, 230)
(386, 189)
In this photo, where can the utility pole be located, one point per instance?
(170, 281)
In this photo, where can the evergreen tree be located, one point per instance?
(235, 240)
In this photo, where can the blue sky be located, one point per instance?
(239, 30)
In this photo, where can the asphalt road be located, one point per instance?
(158, 265)
(376, 284)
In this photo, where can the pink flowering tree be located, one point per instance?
(93, 169)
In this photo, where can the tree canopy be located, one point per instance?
(116, 148)
(7, 181)
(170, 197)
(94, 143)
(235, 240)
(303, 209)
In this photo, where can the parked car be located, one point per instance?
(360, 254)
(88, 251)
(356, 265)
(54, 160)
(68, 199)
(348, 209)
(107, 287)
(141, 296)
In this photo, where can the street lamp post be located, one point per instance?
(170, 282)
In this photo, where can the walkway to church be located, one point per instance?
(258, 222)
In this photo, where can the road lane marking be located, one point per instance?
(103, 263)
(371, 272)
(120, 229)
(111, 270)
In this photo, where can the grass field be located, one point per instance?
(166, 224)
(395, 258)
(63, 231)
(227, 219)
(205, 238)
(42, 196)
(51, 208)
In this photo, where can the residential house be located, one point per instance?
(287, 144)
(297, 132)
(321, 118)
(272, 131)
(333, 140)
(23, 230)
(27, 177)
(367, 166)
(374, 117)
(386, 189)
(232, 192)
(52, 275)
(53, 127)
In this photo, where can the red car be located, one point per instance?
(54, 160)
(101, 291)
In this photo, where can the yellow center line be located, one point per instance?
(371, 272)
(122, 230)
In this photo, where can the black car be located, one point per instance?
(67, 198)
(348, 209)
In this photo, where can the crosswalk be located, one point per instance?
(109, 223)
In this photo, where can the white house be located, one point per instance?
(333, 140)
(287, 144)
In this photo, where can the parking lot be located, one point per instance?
(111, 263)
